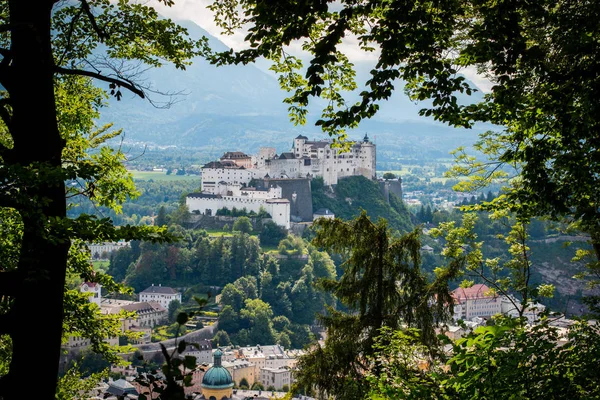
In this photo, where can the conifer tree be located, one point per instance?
(382, 286)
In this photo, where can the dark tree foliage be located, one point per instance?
(271, 234)
(46, 47)
(502, 361)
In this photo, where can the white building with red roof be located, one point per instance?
(475, 301)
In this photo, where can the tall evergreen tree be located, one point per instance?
(382, 286)
(161, 218)
(428, 214)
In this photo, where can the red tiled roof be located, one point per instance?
(477, 291)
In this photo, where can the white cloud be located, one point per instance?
(480, 81)
(196, 11)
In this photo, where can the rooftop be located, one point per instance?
(159, 289)
(222, 164)
(234, 155)
(144, 306)
(323, 211)
(204, 195)
(478, 291)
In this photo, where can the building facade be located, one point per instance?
(98, 250)
(532, 312)
(476, 301)
(239, 158)
(208, 204)
(276, 377)
(163, 295)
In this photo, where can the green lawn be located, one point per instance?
(219, 233)
(269, 249)
(161, 176)
(100, 265)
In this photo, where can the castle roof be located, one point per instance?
(286, 156)
(222, 165)
(302, 137)
(278, 201)
(234, 155)
(319, 144)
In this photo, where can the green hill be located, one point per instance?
(352, 194)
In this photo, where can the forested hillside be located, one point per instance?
(275, 286)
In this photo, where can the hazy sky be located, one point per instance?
(196, 11)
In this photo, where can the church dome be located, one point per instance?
(217, 377)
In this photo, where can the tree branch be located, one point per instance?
(119, 82)
(86, 7)
(70, 35)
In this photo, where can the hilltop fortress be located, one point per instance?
(279, 183)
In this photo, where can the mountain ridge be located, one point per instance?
(243, 106)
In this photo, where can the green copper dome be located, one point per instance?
(217, 377)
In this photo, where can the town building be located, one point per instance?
(276, 377)
(239, 158)
(148, 314)
(475, 301)
(101, 250)
(532, 312)
(202, 350)
(224, 171)
(241, 369)
(163, 295)
(323, 213)
(427, 249)
(122, 389)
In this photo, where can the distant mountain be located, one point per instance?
(241, 108)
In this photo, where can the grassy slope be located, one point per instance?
(357, 192)
(161, 176)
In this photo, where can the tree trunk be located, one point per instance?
(38, 306)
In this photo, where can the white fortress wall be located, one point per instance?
(208, 205)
